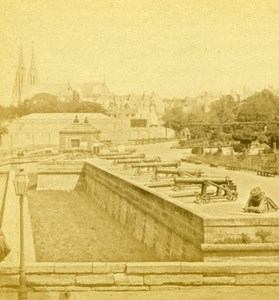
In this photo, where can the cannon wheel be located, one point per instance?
(176, 187)
(202, 198)
(137, 171)
(232, 196)
(155, 177)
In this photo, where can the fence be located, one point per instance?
(256, 163)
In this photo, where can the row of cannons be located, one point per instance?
(182, 182)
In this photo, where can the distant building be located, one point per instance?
(20, 80)
(133, 106)
(183, 103)
(28, 85)
(79, 135)
(42, 130)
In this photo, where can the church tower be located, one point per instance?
(19, 80)
(33, 78)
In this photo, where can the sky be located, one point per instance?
(175, 48)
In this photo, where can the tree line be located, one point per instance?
(46, 103)
(255, 118)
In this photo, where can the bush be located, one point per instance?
(182, 143)
(197, 150)
(239, 148)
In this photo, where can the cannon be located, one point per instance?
(128, 161)
(124, 156)
(151, 166)
(259, 203)
(225, 189)
(177, 172)
(114, 154)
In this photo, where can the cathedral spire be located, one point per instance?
(33, 77)
(19, 80)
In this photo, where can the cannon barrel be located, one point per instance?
(157, 164)
(179, 172)
(114, 154)
(191, 180)
(124, 156)
(137, 160)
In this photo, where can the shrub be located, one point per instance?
(197, 150)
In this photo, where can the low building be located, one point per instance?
(79, 136)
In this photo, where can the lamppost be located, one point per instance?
(21, 185)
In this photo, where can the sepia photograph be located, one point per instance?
(139, 151)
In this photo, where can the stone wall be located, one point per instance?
(171, 231)
(82, 277)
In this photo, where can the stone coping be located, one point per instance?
(143, 267)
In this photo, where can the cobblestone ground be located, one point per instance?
(67, 227)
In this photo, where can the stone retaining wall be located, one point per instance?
(166, 227)
(163, 226)
(136, 276)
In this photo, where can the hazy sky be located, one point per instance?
(175, 48)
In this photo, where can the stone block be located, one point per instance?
(52, 279)
(92, 280)
(124, 279)
(176, 279)
(100, 268)
(39, 267)
(116, 267)
(70, 267)
(257, 279)
(9, 269)
(219, 280)
(153, 267)
(9, 280)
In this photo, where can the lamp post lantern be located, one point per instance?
(21, 186)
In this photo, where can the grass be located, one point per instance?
(70, 228)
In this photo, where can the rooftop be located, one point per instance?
(64, 116)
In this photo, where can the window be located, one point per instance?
(75, 143)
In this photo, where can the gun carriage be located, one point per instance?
(225, 189)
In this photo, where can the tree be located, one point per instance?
(224, 110)
(263, 106)
(196, 117)
(175, 119)
(47, 103)
(271, 136)
(245, 136)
